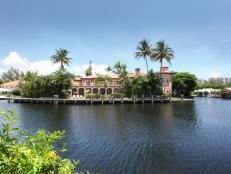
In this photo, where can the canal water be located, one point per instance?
(134, 139)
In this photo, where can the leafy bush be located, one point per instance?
(118, 95)
(23, 153)
(93, 96)
(166, 95)
(184, 83)
(146, 85)
(36, 86)
(16, 92)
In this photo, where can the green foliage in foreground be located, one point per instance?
(23, 153)
(57, 83)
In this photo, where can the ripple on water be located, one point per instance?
(134, 139)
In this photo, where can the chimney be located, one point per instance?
(164, 69)
(137, 71)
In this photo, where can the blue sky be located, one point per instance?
(104, 31)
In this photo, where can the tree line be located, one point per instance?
(215, 84)
(60, 82)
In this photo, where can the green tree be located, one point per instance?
(61, 57)
(88, 71)
(103, 80)
(211, 84)
(12, 74)
(228, 84)
(27, 85)
(125, 83)
(108, 69)
(62, 83)
(143, 51)
(58, 83)
(154, 83)
(139, 86)
(120, 68)
(184, 83)
(162, 52)
(146, 85)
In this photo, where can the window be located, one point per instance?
(110, 83)
(88, 82)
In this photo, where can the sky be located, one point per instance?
(107, 31)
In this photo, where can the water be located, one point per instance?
(151, 138)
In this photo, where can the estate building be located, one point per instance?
(87, 84)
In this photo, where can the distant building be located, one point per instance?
(220, 80)
(226, 93)
(4, 91)
(81, 85)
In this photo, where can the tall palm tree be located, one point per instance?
(143, 51)
(124, 81)
(61, 56)
(162, 52)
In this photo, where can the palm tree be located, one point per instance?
(103, 80)
(124, 81)
(88, 71)
(120, 68)
(61, 56)
(162, 52)
(143, 51)
(108, 69)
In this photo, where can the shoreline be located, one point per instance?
(94, 101)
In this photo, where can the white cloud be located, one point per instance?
(43, 67)
(96, 69)
(17, 61)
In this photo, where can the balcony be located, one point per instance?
(93, 84)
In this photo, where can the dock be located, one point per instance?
(94, 101)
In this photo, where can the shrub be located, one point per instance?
(118, 95)
(16, 92)
(184, 83)
(93, 96)
(166, 95)
(22, 153)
